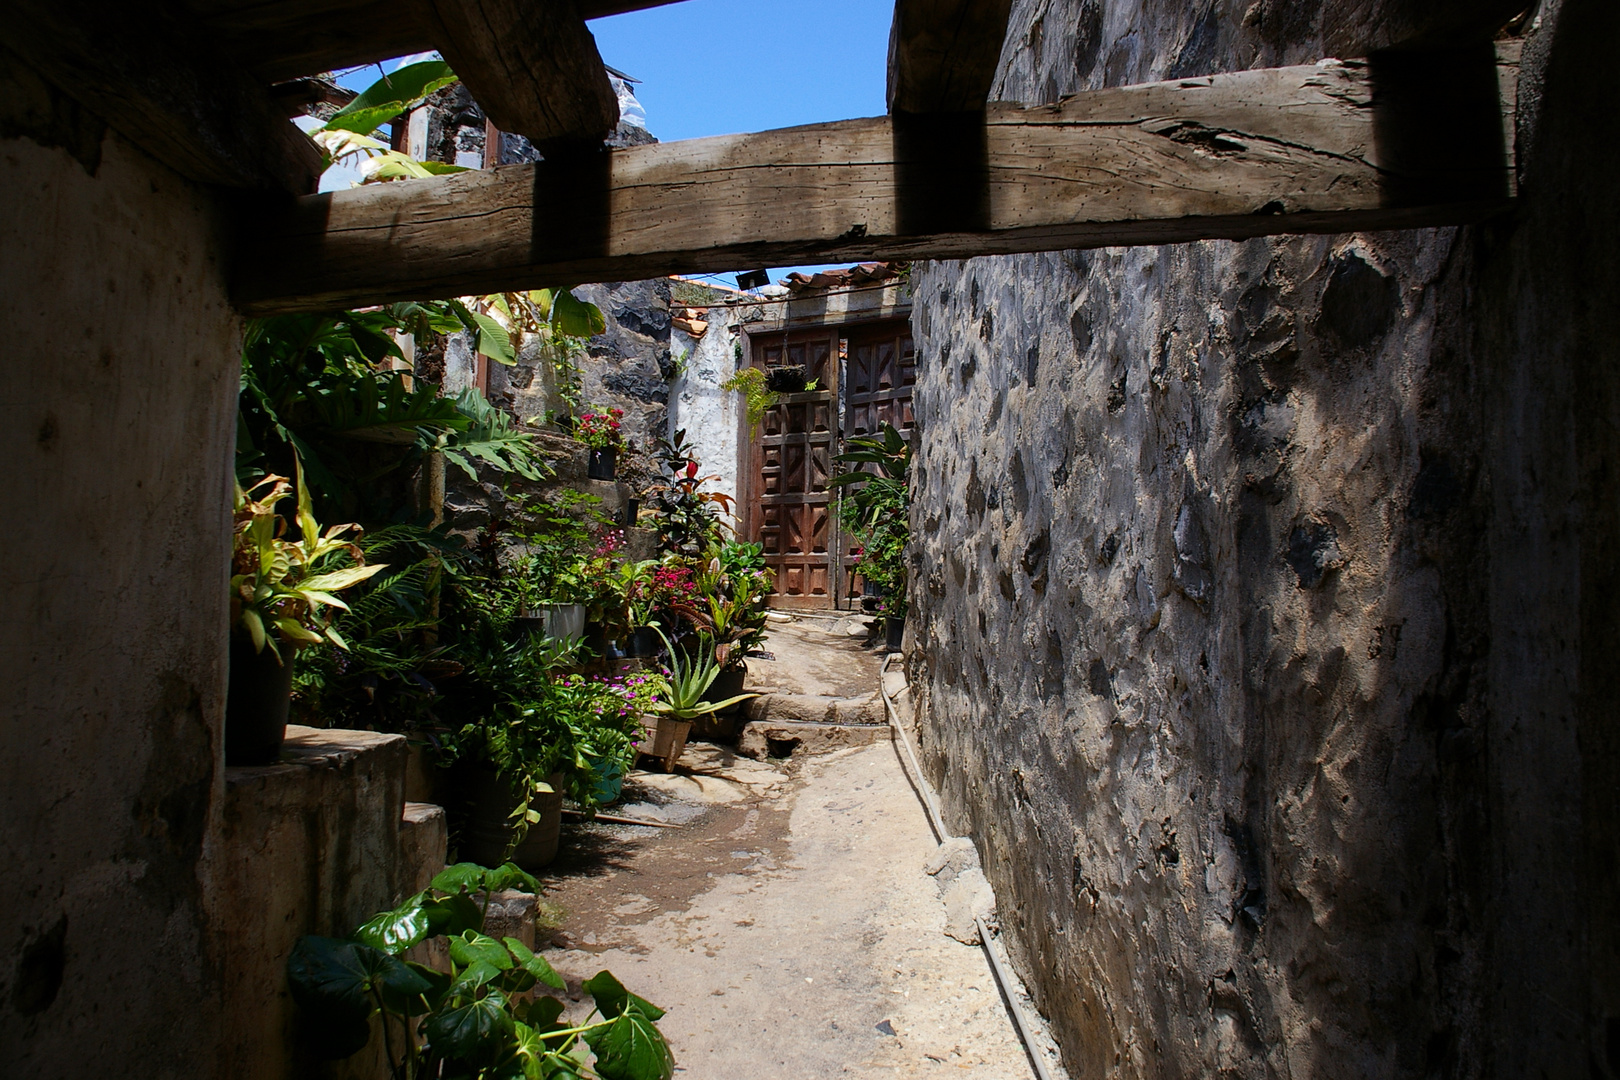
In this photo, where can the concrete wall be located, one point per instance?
(1265, 601)
(118, 387)
(316, 844)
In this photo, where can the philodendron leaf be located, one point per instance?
(538, 966)
(612, 998)
(631, 1048)
(510, 876)
(462, 877)
(472, 947)
(329, 979)
(395, 931)
(473, 1028)
(453, 915)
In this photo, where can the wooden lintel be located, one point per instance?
(943, 54)
(286, 39)
(533, 69)
(1332, 147)
(145, 70)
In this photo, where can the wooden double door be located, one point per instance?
(863, 378)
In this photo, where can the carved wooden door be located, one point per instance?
(791, 509)
(879, 374)
(864, 376)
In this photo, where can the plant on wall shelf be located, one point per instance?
(750, 383)
(600, 430)
(281, 588)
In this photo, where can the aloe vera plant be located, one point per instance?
(689, 679)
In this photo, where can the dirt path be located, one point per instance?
(788, 927)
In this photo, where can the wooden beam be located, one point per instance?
(534, 70)
(144, 70)
(943, 54)
(287, 39)
(1332, 147)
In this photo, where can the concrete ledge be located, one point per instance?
(315, 844)
(808, 709)
(763, 739)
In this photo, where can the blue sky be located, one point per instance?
(717, 67)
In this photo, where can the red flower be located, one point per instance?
(691, 469)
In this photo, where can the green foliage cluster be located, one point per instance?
(875, 509)
(484, 1019)
(750, 383)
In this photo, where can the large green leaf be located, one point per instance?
(493, 339)
(511, 876)
(538, 966)
(395, 931)
(391, 95)
(575, 318)
(631, 1048)
(332, 985)
(452, 915)
(472, 947)
(474, 1029)
(462, 877)
(612, 998)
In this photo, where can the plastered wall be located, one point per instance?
(118, 376)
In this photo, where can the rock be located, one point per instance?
(968, 899)
(955, 856)
(776, 739)
(511, 914)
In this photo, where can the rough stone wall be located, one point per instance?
(120, 380)
(1265, 599)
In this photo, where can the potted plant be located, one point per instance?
(875, 507)
(600, 434)
(629, 612)
(280, 592)
(689, 679)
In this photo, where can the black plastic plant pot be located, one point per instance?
(603, 464)
(596, 638)
(894, 633)
(788, 379)
(256, 704)
(727, 684)
(632, 511)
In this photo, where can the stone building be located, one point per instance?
(1265, 595)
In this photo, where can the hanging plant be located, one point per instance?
(750, 383)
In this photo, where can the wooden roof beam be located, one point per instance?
(147, 71)
(533, 68)
(943, 54)
(286, 39)
(1388, 143)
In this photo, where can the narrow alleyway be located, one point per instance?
(788, 925)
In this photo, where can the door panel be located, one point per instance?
(867, 372)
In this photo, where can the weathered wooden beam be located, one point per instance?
(1332, 147)
(286, 39)
(145, 70)
(943, 54)
(532, 68)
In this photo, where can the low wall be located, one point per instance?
(316, 844)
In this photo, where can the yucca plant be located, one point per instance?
(280, 588)
(689, 679)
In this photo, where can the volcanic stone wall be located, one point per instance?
(1265, 610)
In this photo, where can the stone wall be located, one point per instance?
(120, 381)
(1265, 598)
